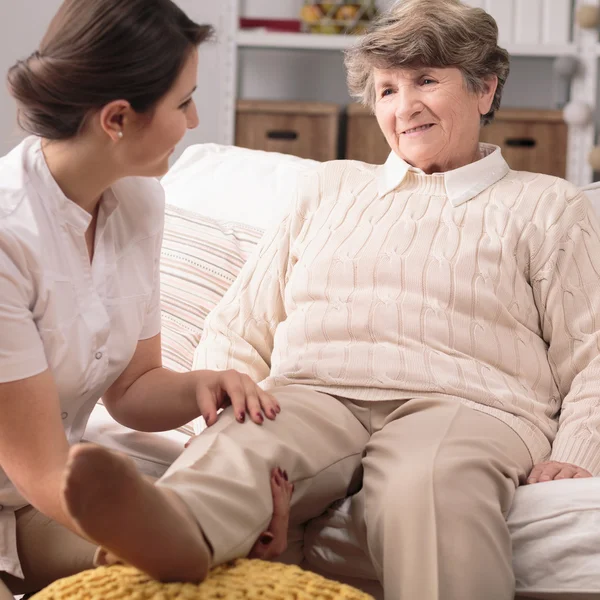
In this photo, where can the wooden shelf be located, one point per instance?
(301, 41)
(314, 41)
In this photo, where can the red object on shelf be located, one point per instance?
(288, 25)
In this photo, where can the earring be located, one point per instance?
(120, 135)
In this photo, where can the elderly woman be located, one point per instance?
(431, 322)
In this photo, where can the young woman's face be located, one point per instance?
(150, 146)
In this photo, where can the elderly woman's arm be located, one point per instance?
(239, 332)
(567, 291)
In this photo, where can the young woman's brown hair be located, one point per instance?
(97, 51)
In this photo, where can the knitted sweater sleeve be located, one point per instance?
(567, 292)
(239, 332)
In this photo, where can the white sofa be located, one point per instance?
(220, 199)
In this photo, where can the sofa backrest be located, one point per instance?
(234, 184)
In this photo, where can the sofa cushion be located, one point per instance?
(200, 259)
(234, 184)
(554, 526)
(555, 529)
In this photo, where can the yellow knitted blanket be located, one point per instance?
(242, 579)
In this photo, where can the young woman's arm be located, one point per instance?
(149, 397)
(33, 444)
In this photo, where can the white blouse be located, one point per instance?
(81, 321)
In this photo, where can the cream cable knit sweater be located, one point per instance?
(481, 285)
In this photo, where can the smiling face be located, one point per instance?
(429, 117)
(148, 144)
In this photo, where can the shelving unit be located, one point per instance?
(316, 41)
(584, 88)
(528, 28)
(298, 41)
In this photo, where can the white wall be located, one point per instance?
(22, 26)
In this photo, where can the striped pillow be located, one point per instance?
(200, 259)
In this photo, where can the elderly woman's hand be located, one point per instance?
(551, 470)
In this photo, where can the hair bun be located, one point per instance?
(98, 51)
(32, 64)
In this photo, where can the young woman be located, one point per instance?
(107, 97)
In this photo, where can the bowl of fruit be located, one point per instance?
(343, 16)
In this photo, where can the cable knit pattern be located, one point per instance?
(481, 285)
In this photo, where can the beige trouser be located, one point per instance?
(438, 481)
(47, 551)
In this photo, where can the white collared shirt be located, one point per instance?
(81, 321)
(460, 184)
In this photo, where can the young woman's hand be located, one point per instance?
(217, 389)
(273, 542)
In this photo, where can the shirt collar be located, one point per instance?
(68, 210)
(461, 184)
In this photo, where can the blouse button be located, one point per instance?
(98, 355)
(64, 415)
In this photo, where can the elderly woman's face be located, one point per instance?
(429, 117)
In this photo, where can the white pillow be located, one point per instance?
(200, 259)
(234, 184)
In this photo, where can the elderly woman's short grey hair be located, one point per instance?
(430, 33)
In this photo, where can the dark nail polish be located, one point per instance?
(266, 538)
(285, 475)
(241, 417)
(260, 417)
